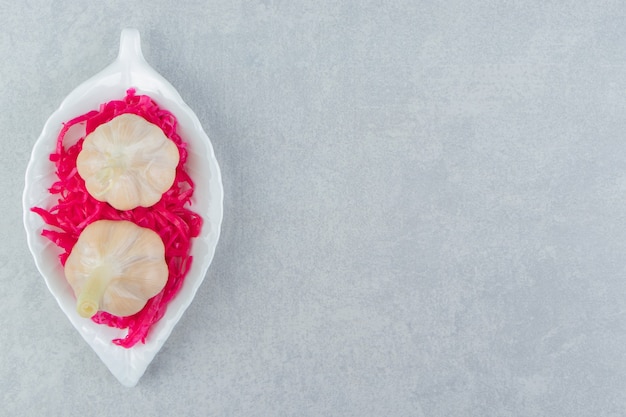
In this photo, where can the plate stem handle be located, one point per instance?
(130, 46)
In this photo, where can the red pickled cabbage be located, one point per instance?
(170, 218)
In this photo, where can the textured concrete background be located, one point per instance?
(424, 209)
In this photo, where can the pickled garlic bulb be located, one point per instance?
(116, 266)
(128, 162)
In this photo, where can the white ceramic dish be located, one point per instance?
(128, 70)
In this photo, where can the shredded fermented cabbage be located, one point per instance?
(171, 218)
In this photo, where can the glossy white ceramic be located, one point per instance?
(128, 70)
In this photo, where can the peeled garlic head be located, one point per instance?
(116, 266)
(128, 162)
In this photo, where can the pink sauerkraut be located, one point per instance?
(170, 217)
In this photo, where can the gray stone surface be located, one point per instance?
(424, 208)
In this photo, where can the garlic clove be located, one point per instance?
(128, 162)
(116, 266)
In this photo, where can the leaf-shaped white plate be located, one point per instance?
(128, 70)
